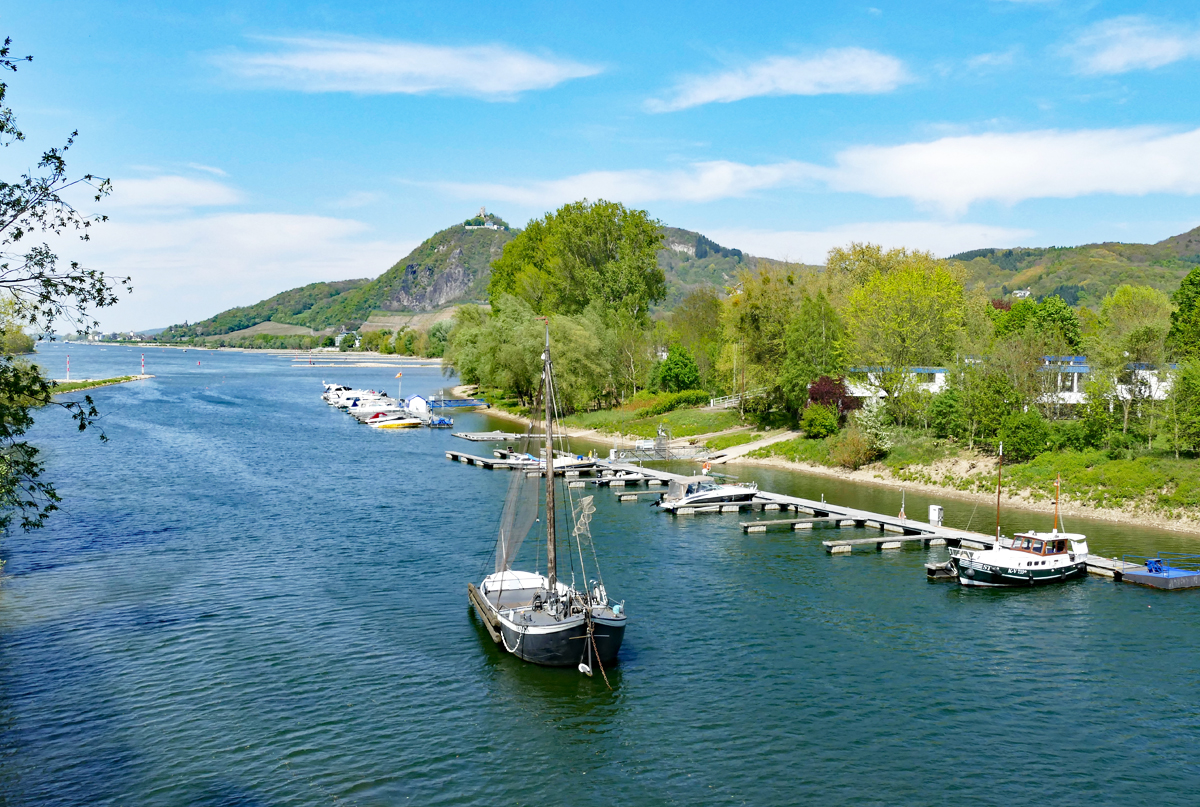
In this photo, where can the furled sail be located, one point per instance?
(520, 511)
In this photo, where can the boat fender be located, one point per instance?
(970, 572)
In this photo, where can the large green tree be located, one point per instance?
(815, 345)
(583, 252)
(1184, 335)
(40, 291)
(906, 314)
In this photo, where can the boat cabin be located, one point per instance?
(680, 488)
(1038, 544)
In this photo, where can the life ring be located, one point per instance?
(707, 468)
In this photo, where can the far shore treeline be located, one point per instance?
(839, 352)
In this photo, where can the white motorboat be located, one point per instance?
(701, 491)
(1027, 559)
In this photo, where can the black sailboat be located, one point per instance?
(538, 617)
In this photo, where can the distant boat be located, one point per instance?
(536, 616)
(1027, 559)
(385, 420)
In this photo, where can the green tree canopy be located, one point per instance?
(679, 370)
(907, 315)
(815, 345)
(1184, 335)
(583, 252)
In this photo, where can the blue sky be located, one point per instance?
(257, 147)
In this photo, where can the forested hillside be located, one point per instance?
(1083, 275)
(291, 307)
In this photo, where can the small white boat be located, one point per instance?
(700, 491)
(386, 421)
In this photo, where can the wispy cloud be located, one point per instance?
(344, 64)
(165, 193)
(699, 182)
(187, 267)
(1002, 58)
(208, 169)
(1122, 44)
(811, 246)
(948, 174)
(836, 71)
(953, 173)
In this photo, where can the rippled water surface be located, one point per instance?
(250, 599)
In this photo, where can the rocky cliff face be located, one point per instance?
(452, 266)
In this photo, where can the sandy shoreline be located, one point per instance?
(879, 475)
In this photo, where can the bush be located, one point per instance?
(691, 397)
(818, 421)
(946, 415)
(1069, 435)
(679, 370)
(1024, 435)
(852, 449)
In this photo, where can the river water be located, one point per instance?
(250, 599)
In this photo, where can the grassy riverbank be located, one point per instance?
(637, 418)
(1149, 484)
(61, 387)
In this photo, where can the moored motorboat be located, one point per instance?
(700, 491)
(1027, 559)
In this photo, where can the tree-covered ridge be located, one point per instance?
(1082, 275)
(690, 260)
(291, 306)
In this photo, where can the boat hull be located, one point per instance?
(564, 646)
(976, 573)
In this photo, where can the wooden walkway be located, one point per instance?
(895, 532)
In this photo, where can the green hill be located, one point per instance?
(1083, 275)
(288, 307)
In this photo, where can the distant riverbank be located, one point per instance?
(1022, 498)
(63, 387)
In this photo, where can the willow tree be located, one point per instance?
(907, 314)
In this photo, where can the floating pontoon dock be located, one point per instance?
(894, 530)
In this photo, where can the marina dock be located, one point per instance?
(895, 532)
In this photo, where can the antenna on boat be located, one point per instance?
(999, 476)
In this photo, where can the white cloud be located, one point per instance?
(1002, 58)
(189, 267)
(208, 169)
(699, 182)
(344, 64)
(836, 71)
(170, 193)
(811, 246)
(1122, 44)
(954, 172)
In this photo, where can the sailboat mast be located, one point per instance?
(1057, 492)
(999, 476)
(551, 537)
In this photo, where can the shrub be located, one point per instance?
(852, 449)
(691, 397)
(818, 421)
(832, 392)
(946, 414)
(1069, 434)
(679, 370)
(1024, 435)
(870, 420)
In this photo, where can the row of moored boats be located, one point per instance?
(380, 411)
